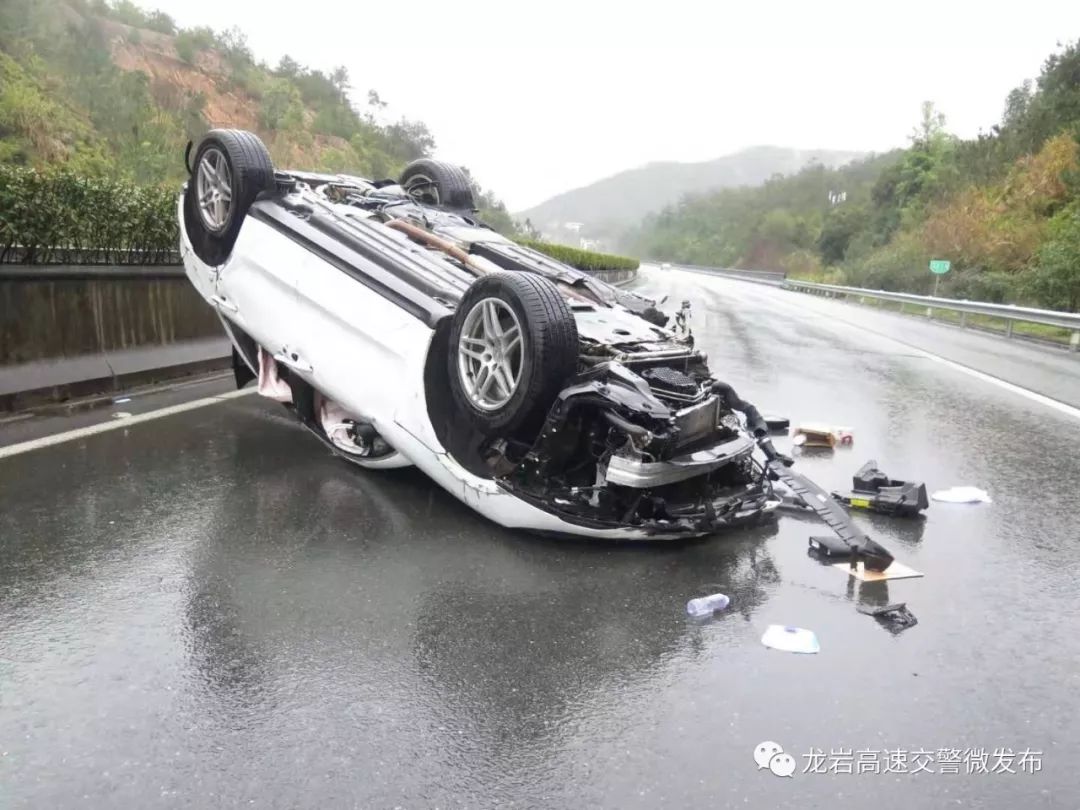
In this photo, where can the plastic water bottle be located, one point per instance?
(707, 605)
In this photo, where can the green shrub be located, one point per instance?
(60, 216)
(191, 41)
(585, 260)
(281, 107)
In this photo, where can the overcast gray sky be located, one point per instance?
(540, 97)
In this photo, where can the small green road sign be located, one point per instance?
(940, 266)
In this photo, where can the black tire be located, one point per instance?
(251, 172)
(549, 354)
(433, 182)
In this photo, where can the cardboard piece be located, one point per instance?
(895, 571)
(820, 435)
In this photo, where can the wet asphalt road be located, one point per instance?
(209, 611)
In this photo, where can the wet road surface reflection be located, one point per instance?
(208, 610)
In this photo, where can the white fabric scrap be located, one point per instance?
(791, 639)
(337, 422)
(961, 495)
(270, 384)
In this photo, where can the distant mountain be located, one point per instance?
(608, 206)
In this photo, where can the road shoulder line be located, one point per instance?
(1027, 393)
(116, 424)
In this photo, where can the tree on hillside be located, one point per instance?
(281, 107)
(375, 101)
(926, 171)
(339, 77)
(1032, 117)
(1056, 279)
(192, 41)
(842, 224)
(287, 67)
(410, 140)
(931, 127)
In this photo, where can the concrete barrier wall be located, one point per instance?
(615, 276)
(50, 319)
(78, 331)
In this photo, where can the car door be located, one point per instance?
(256, 289)
(366, 351)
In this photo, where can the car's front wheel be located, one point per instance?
(513, 344)
(231, 168)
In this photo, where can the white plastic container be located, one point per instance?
(707, 605)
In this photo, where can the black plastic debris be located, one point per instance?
(895, 618)
(829, 547)
(777, 424)
(873, 490)
(860, 547)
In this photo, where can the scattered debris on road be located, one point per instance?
(896, 570)
(777, 423)
(961, 495)
(819, 435)
(895, 618)
(705, 606)
(807, 496)
(791, 639)
(874, 490)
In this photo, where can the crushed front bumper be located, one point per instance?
(638, 474)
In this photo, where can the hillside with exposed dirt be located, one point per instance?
(105, 87)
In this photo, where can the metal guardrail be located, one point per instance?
(88, 272)
(1007, 312)
(44, 255)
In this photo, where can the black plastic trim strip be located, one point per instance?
(333, 248)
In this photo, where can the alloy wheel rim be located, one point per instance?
(491, 354)
(214, 189)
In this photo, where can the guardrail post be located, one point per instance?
(930, 313)
(1074, 341)
(963, 319)
(1009, 328)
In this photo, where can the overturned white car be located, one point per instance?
(400, 330)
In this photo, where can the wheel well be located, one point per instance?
(454, 432)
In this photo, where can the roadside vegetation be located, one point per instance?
(62, 216)
(104, 89)
(1004, 208)
(585, 260)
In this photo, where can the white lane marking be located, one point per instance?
(1027, 393)
(116, 424)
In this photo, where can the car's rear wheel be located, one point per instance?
(231, 168)
(513, 344)
(433, 182)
